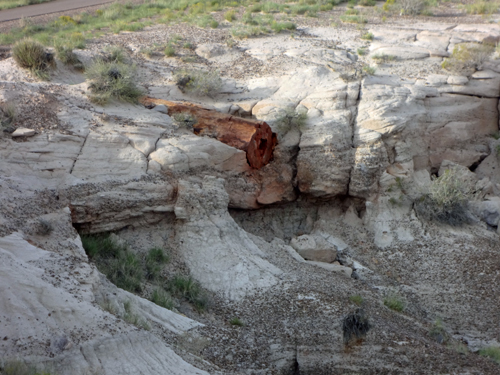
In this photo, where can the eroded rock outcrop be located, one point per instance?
(218, 252)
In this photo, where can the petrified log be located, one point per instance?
(254, 137)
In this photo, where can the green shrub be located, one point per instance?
(214, 24)
(116, 54)
(369, 70)
(66, 55)
(29, 54)
(162, 298)
(367, 3)
(357, 299)
(351, 12)
(446, 201)
(122, 267)
(467, 57)
(169, 50)
(361, 51)
(367, 36)
(112, 80)
(236, 322)
(290, 119)
(189, 289)
(394, 302)
(492, 352)
(198, 82)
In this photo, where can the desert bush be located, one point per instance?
(355, 326)
(198, 82)
(492, 352)
(447, 200)
(31, 55)
(290, 119)
(230, 15)
(481, 7)
(438, 333)
(394, 302)
(115, 54)
(411, 7)
(467, 57)
(112, 80)
(45, 227)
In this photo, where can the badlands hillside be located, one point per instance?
(239, 197)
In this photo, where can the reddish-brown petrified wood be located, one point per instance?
(254, 137)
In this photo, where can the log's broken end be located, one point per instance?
(254, 137)
(261, 146)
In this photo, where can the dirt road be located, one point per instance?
(47, 8)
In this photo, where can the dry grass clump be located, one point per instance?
(447, 200)
(29, 54)
(394, 302)
(112, 80)
(198, 82)
(467, 57)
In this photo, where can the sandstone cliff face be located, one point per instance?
(341, 190)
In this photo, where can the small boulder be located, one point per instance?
(23, 132)
(162, 108)
(314, 248)
(457, 80)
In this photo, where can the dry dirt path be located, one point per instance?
(47, 8)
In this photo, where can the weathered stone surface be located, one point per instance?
(108, 157)
(210, 50)
(189, 152)
(347, 271)
(457, 80)
(217, 251)
(488, 211)
(82, 336)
